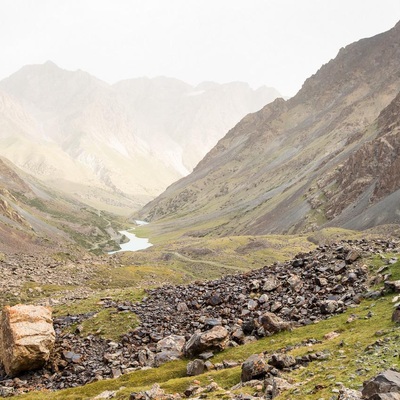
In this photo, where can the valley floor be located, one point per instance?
(109, 315)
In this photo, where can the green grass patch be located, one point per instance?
(109, 324)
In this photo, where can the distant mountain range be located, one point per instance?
(329, 156)
(114, 147)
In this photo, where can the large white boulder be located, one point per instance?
(27, 337)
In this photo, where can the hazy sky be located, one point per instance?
(278, 43)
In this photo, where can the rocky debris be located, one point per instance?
(27, 337)
(213, 339)
(313, 286)
(62, 269)
(6, 391)
(299, 289)
(349, 394)
(155, 393)
(384, 383)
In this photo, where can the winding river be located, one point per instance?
(134, 243)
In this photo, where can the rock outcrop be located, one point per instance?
(27, 337)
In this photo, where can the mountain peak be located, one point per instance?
(270, 173)
(51, 64)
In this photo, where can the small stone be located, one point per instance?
(182, 307)
(331, 335)
(106, 395)
(352, 256)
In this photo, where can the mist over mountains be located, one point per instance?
(114, 146)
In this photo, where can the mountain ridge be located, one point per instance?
(258, 178)
(71, 129)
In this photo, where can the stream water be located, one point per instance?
(134, 243)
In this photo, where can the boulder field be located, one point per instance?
(206, 316)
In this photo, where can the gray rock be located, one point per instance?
(206, 355)
(213, 339)
(295, 282)
(282, 361)
(385, 396)
(255, 367)
(171, 343)
(238, 335)
(154, 393)
(329, 306)
(273, 324)
(352, 256)
(6, 391)
(396, 315)
(146, 357)
(271, 284)
(209, 365)
(263, 298)
(182, 307)
(252, 305)
(214, 300)
(392, 286)
(166, 356)
(195, 367)
(385, 382)
(275, 385)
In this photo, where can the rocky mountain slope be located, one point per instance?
(327, 155)
(114, 147)
(370, 174)
(36, 219)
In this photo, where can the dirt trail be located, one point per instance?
(212, 263)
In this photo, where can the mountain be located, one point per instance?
(36, 219)
(367, 185)
(181, 123)
(112, 147)
(320, 158)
